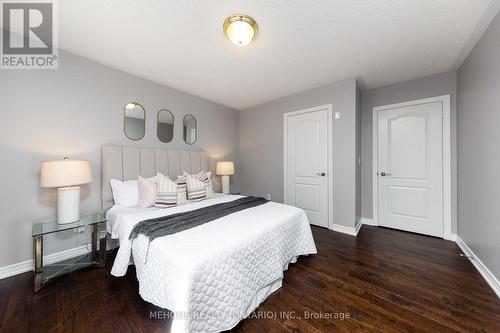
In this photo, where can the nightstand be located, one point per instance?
(95, 257)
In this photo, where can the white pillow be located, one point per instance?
(125, 194)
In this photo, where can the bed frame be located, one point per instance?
(126, 163)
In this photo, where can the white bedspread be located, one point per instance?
(209, 276)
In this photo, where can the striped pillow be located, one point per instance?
(196, 190)
(181, 190)
(206, 178)
(166, 192)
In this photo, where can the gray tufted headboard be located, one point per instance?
(126, 163)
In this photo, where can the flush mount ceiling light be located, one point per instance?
(240, 29)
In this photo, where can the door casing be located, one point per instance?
(445, 100)
(328, 108)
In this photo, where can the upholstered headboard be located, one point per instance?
(126, 163)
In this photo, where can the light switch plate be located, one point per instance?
(337, 115)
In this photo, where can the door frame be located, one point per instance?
(329, 109)
(445, 99)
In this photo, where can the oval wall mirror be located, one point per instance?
(134, 121)
(165, 126)
(190, 130)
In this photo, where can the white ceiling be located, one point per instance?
(301, 44)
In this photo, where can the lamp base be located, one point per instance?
(68, 204)
(225, 185)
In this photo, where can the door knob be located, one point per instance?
(383, 174)
(322, 174)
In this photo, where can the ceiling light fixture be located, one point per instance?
(240, 29)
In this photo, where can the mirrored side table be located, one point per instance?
(96, 257)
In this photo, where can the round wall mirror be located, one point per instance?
(190, 131)
(134, 121)
(165, 126)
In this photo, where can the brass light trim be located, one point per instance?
(244, 18)
(131, 105)
(184, 133)
(158, 121)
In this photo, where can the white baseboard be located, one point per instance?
(367, 221)
(345, 230)
(450, 237)
(348, 230)
(66, 254)
(20, 267)
(26, 266)
(358, 226)
(480, 266)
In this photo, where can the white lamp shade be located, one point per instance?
(225, 168)
(65, 173)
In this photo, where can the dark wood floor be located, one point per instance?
(383, 280)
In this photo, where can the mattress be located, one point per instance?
(216, 274)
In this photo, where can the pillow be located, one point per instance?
(181, 190)
(206, 178)
(125, 194)
(196, 190)
(147, 192)
(166, 192)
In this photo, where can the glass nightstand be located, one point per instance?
(96, 257)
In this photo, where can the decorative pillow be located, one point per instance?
(181, 190)
(206, 178)
(166, 192)
(196, 190)
(147, 192)
(125, 194)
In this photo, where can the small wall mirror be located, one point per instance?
(190, 134)
(134, 121)
(165, 126)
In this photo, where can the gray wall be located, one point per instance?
(478, 153)
(435, 85)
(47, 114)
(261, 145)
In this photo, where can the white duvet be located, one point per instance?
(212, 276)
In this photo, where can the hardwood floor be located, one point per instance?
(384, 280)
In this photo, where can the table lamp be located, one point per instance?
(66, 175)
(225, 169)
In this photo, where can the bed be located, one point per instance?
(211, 276)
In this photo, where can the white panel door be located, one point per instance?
(410, 168)
(307, 164)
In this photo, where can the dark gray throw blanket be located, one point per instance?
(171, 224)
